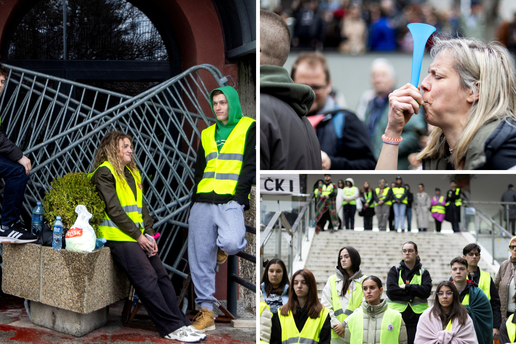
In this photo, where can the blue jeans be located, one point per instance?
(399, 215)
(14, 189)
(408, 212)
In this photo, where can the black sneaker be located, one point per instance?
(15, 234)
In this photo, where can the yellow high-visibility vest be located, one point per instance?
(418, 305)
(398, 191)
(465, 301)
(458, 201)
(369, 198)
(511, 329)
(438, 208)
(384, 192)
(327, 189)
(449, 326)
(131, 205)
(309, 334)
(223, 168)
(355, 300)
(348, 192)
(484, 283)
(390, 328)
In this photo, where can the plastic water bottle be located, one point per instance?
(100, 243)
(151, 239)
(37, 219)
(57, 241)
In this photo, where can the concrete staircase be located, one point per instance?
(379, 251)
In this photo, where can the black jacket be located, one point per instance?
(351, 152)
(287, 139)
(300, 319)
(389, 197)
(411, 291)
(245, 180)
(7, 148)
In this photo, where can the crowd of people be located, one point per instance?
(470, 307)
(338, 204)
(357, 27)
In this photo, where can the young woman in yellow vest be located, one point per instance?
(438, 209)
(399, 204)
(368, 203)
(303, 319)
(482, 279)
(350, 203)
(342, 294)
(447, 321)
(508, 327)
(274, 284)
(408, 287)
(374, 322)
(125, 224)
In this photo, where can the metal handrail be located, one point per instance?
(280, 225)
(481, 215)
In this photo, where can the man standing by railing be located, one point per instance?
(325, 207)
(509, 196)
(14, 168)
(224, 173)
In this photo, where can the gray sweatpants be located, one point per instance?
(212, 226)
(382, 212)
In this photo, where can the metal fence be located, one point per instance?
(59, 124)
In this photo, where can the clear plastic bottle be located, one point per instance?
(151, 239)
(37, 219)
(57, 241)
(100, 243)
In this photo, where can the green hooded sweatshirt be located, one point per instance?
(235, 113)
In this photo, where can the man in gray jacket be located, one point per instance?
(287, 139)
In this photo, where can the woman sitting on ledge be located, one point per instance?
(470, 97)
(126, 221)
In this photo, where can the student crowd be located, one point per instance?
(339, 204)
(470, 307)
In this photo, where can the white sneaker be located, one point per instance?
(181, 335)
(194, 332)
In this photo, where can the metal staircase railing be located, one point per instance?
(281, 228)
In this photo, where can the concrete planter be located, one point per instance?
(79, 282)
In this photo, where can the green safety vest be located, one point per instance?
(438, 208)
(484, 283)
(511, 329)
(458, 201)
(310, 332)
(418, 305)
(369, 198)
(263, 305)
(398, 191)
(448, 327)
(385, 192)
(354, 302)
(223, 168)
(390, 328)
(132, 207)
(348, 192)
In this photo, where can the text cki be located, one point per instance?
(277, 185)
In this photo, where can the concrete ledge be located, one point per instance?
(68, 322)
(243, 322)
(81, 282)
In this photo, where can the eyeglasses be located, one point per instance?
(512, 247)
(408, 251)
(471, 254)
(318, 88)
(448, 293)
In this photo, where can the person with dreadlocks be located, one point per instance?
(125, 224)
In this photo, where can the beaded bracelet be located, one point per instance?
(391, 141)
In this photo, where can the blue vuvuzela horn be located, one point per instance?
(420, 34)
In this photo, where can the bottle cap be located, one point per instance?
(39, 203)
(58, 217)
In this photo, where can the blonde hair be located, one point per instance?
(109, 150)
(512, 239)
(487, 71)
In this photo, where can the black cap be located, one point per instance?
(437, 189)
(398, 177)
